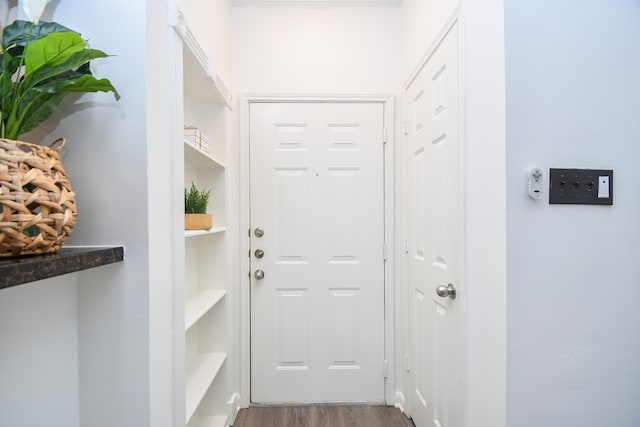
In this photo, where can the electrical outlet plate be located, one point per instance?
(581, 186)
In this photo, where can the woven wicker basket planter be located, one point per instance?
(37, 205)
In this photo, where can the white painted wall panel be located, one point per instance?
(573, 271)
(39, 354)
(316, 50)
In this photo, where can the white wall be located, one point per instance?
(485, 212)
(422, 20)
(39, 354)
(315, 50)
(162, 214)
(573, 271)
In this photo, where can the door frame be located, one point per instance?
(390, 271)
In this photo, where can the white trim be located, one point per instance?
(179, 337)
(390, 284)
(233, 407)
(453, 18)
(400, 402)
(192, 45)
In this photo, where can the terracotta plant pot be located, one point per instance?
(198, 221)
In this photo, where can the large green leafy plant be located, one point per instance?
(41, 63)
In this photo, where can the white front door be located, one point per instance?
(435, 235)
(316, 192)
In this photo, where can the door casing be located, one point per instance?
(391, 237)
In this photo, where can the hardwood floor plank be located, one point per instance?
(322, 416)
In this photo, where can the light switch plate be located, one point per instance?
(581, 186)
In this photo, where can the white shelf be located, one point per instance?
(199, 158)
(195, 233)
(201, 373)
(216, 421)
(200, 304)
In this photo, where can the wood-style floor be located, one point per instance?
(322, 416)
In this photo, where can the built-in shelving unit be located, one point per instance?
(203, 287)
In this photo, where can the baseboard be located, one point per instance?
(400, 402)
(234, 406)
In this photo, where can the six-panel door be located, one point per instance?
(317, 315)
(433, 111)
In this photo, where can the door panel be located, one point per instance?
(435, 230)
(317, 316)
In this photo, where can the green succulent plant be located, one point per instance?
(196, 201)
(41, 64)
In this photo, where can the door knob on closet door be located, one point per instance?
(446, 291)
(258, 232)
(258, 274)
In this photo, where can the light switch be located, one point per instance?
(603, 187)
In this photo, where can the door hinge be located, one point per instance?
(406, 362)
(384, 134)
(406, 132)
(385, 368)
(406, 246)
(385, 251)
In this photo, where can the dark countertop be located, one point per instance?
(24, 269)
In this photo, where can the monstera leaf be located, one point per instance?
(41, 65)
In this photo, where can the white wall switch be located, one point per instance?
(603, 187)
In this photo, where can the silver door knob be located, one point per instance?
(258, 232)
(259, 253)
(258, 274)
(446, 291)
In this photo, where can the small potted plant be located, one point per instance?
(195, 209)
